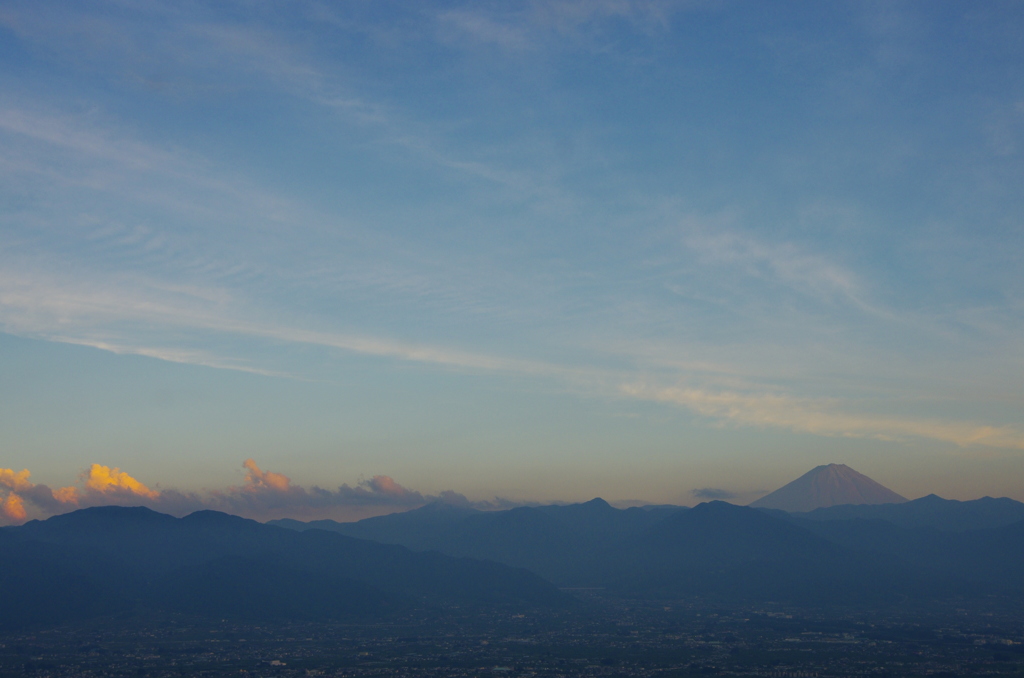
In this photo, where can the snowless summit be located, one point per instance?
(828, 485)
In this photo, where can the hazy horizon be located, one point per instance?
(269, 495)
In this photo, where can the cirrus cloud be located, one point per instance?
(804, 415)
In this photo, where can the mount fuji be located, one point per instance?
(828, 485)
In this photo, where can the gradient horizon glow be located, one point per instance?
(518, 252)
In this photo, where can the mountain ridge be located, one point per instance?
(113, 559)
(930, 511)
(547, 540)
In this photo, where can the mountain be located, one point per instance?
(722, 551)
(717, 551)
(109, 559)
(972, 562)
(549, 540)
(931, 511)
(827, 485)
(416, 529)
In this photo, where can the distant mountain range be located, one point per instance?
(828, 485)
(549, 540)
(111, 559)
(931, 512)
(930, 547)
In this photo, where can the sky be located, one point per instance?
(334, 259)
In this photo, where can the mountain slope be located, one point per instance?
(734, 552)
(417, 529)
(549, 540)
(718, 550)
(827, 485)
(115, 558)
(986, 561)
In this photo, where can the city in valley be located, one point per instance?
(600, 638)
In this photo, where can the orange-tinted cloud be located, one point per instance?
(13, 508)
(385, 485)
(16, 482)
(100, 485)
(105, 480)
(66, 495)
(268, 492)
(263, 495)
(257, 479)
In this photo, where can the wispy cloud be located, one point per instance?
(174, 355)
(779, 262)
(485, 29)
(816, 417)
(73, 313)
(94, 154)
(198, 251)
(74, 136)
(76, 314)
(712, 494)
(39, 295)
(251, 55)
(557, 24)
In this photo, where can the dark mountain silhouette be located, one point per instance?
(108, 559)
(416, 529)
(548, 540)
(931, 511)
(828, 485)
(39, 584)
(967, 562)
(719, 550)
(111, 559)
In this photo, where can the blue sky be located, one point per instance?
(536, 251)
